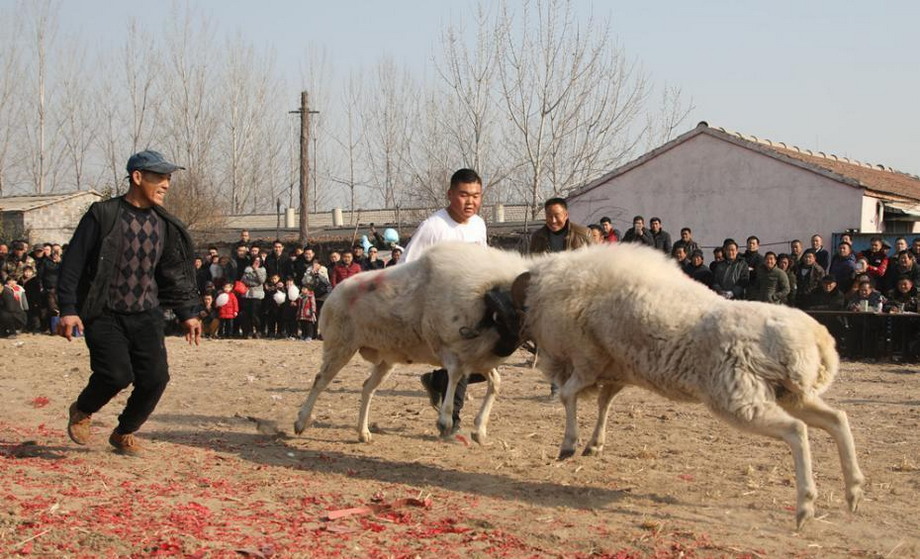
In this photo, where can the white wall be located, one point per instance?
(720, 190)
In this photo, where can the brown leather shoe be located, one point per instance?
(78, 427)
(125, 444)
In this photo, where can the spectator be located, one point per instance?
(796, 249)
(288, 316)
(876, 259)
(718, 255)
(250, 315)
(827, 298)
(306, 313)
(228, 309)
(208, 315)
(697, 270)
(784, 263)
(821, 256)
(240, 261)
(661, 239)
(275, 260)
(374, 263)
(49, 279)
(807, 278)
(32, 290)
(686, 241)
(13, 307)
(903, 298)
(597, 234)
(866, 299)
(16, 261)
(753, 257)
(359, 257)
(610, 234)
(558, 233)
(345, 269)
(317, 279)
(900, 245)
(638, 233)
(395, 255)
(272, 303)
(843, 266)
(770, 284)
(915, 248)
(731, 277)
(202, 273)
(679, 253)
(905, 267)
(334, 258)
(296, 265)
(244, 240)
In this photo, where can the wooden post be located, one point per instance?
(304, 168)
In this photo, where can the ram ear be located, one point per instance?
(519, 290)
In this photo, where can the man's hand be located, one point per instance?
(192, 329)
(67, 324)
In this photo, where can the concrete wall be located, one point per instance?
(55, 223)
(720, 190)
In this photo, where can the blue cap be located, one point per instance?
(153, 161)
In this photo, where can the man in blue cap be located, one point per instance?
(128, 259)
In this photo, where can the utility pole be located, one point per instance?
(304, 113)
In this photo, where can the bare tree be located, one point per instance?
(468, 113)
(190, 115)
(76, 117)
(11, 75)
(387, 117)
(351, 137)
(570, 95)
(42, 25)
(672, 111)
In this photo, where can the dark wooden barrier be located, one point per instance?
(873, 335)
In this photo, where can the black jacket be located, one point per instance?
(88, 266)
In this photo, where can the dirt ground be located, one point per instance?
(673, 482)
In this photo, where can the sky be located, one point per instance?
(837, 77)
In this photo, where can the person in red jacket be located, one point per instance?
(227, 310)
(877, 259)
(345, 269)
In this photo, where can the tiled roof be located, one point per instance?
(35, 201)
(882, 181)
(877, 178)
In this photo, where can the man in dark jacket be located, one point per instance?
(638, 233)
(661, 239)
(128, 258)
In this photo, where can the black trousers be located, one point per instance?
(440, 379)
(126, 349)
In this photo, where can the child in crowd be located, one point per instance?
(306, 314)
(271, 306)
(288, 318)
(210, 321)
(33, 292)
(227, 310)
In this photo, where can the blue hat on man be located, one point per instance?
(153, 161)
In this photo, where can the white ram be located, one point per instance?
(620, 315)
(432, 310)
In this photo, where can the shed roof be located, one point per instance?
(882, 181)
(35, 201)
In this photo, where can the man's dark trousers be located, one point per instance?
(126, 349)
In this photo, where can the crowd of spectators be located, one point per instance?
(277, 291)
(879, 280)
